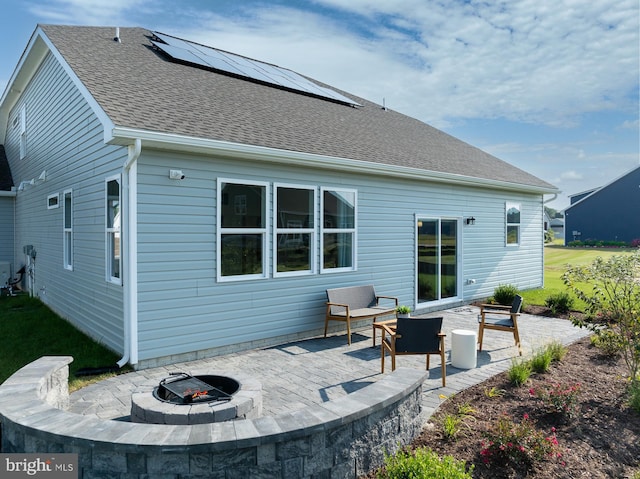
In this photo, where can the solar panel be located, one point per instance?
(230, 63)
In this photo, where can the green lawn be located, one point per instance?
(30, 330)
(556, 259)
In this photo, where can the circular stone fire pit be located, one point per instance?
(198, 399)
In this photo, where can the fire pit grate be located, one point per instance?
(182, 388)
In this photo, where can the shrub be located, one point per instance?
(517, 444)
(423, 463)
(541, 362)
(519, 372)
(557, 350)
(560, 303)
(493, 392)
(451, 424)
(608, 342)
(562, 399)
(610, 289)
(466, 409)
(594, 243)
(635, 243)
(549, 236)
(505, 293)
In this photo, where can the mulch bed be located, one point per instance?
(601, 441)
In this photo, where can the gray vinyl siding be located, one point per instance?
(65, 138)
(182, 308)
(6, 230)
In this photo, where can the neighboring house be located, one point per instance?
(609, 213)
(557, 226)
(174, 211)
(546, 222)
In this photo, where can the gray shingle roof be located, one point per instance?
(140, 88)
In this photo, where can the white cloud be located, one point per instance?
(631, 125)
(89, 12)
(571, 175)
(530, 61)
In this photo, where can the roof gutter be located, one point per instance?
(164, 141)
(8, 193)
(129, 244)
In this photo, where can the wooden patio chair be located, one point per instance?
(500, 318)
(414, 336)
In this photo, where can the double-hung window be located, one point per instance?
(513, 223)
(294, 226)
(338, 230)
(67, 229)
(242, 232)
(113, 223)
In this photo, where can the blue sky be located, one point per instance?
(550, 86)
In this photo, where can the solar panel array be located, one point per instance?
(230, 63)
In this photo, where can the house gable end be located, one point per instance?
(35, 53)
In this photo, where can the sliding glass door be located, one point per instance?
(437, 264)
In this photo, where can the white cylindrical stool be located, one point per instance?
(464, 345)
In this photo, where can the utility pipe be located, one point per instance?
(128, 243)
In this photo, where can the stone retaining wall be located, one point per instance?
(343, 438)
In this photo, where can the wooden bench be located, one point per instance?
(355, 302)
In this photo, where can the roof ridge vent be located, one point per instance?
(117, 37)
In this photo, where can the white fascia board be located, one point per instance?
(35, 52)
(164, 141)
(8, 193)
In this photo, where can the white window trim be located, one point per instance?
(507, 206)
(312, 231)
(263, 231)
(56, 204)
(353, 230)
(108, 231)
(67, 244)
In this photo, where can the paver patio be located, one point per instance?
(313, 371)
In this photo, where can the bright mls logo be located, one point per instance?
(51, 466)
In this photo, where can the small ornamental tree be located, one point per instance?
(613, 302)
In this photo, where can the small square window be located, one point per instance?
(53, 201)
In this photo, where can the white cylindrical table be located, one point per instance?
(464, 345)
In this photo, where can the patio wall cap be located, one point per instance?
(45, 420)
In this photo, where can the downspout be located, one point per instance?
(129, 236)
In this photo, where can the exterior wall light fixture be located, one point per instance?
(471, 220)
